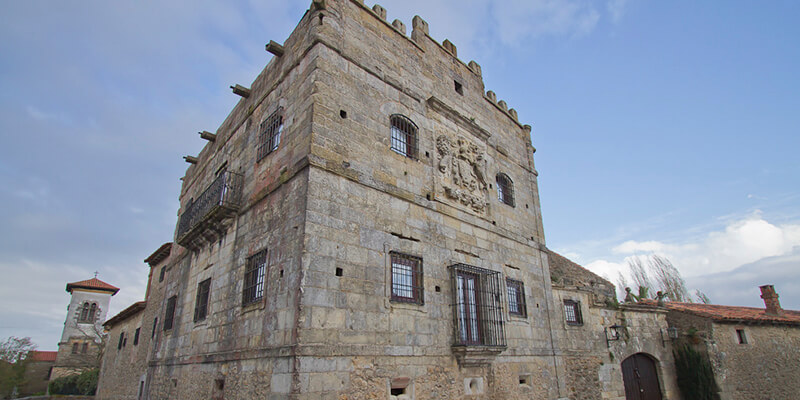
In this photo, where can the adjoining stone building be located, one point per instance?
(754, 352)
(38, 368)
(366, 224)
(81, 344)
(610, 350)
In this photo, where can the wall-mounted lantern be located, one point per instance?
(672, 334)
(614, 330)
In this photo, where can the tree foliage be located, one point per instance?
(656, 273)
(694, 374)
(13, 354)
(84, 383)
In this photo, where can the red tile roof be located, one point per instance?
(93, 283)
(42, 355)
(735, 313)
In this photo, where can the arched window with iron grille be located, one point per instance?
(505, 189)
(404, 136)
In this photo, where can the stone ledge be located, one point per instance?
(473, 356)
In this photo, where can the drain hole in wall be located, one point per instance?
(343, 113)
(524, 380)
(438, 289)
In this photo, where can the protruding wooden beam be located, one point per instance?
(190, 159)
(275, 48)
(241, 90)
(208, 136)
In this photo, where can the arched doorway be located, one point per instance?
(641, 378)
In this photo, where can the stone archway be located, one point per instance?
(640, 376)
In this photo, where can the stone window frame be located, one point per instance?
(572, 312)
(270, 131)
(505, 189)
(169, 313)
(515, 289)
(254, 279)
(404, 136)
(415, 288)
(741, 336)
(202, 300)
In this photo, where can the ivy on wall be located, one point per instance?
(694, 373)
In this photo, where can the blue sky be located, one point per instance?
(667, 127)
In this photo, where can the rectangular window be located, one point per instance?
(121, 338)
(84, 348)
(269, 136)
(201, 303)
(741, 336)
(406, 278)
(162, 273)
(479, 318)
(155, 325)
(254, 278)
(75, 346)
(136, 336)
(516, 298)
(169, 315)
(572, 311)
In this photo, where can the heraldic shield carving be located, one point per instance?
(462, 169)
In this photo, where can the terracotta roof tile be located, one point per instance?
(42, 355)
(735, 313)
(93, 283)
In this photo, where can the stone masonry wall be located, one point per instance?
(122, 368)
(766, 367)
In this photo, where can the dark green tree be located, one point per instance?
(694, 373)
(13, 353)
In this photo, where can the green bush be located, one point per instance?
(84, 383)
(694, 373)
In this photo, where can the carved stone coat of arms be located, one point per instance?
(462, 171)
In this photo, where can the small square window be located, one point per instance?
(516, 298)
(459, 88)
(572, 311)
(406, 278)
(741, 336)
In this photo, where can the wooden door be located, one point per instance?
(641, 378)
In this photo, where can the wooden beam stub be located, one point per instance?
(275, 48)
(241, 90)
(208, 136)
(190, 159)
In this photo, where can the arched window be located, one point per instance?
(84, 312)
(505, 189)
(92, 313)
(404, 136)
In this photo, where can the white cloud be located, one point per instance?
(616, 8)
(523, 19)
(747, 240)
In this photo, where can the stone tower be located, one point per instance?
(81, 341)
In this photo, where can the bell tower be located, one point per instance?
(81, 341)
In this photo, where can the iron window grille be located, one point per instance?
(201, 302)
(404, 136)
(572, 311)
(505, 189)
(516, 298)
(254, 278)
(219, 200)
(406, 278)
(477, 306)
(269, 136)
(169, 315)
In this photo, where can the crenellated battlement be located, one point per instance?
(420, 31)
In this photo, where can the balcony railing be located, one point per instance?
(203, 219)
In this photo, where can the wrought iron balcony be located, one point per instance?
(203, 220)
